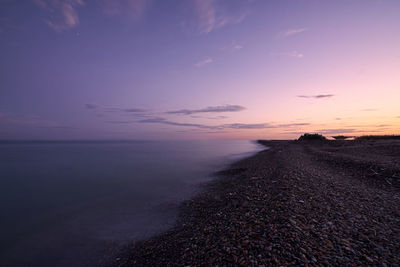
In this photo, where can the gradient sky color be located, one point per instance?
(195, 69)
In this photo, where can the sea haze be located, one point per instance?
(71, 203)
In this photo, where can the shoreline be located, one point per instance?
(302, 203)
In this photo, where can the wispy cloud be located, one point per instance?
(133, 110)
(210, 17)
(215, 109)
(167, 122)
(206, 15)
(210, 118)
(248, 126)
(214, 132)
(152, 118)
(204, 62)
(316, 96)
(120, 122)
(237, 126)
(290, 32)
(232, 47)
(293, 124)
(293, 54)
(62, 13)
(113, 109)
(369, 109)
(132, 8)
(296, 54)
(202, 126)
(217, 118)
(335, 131)
(91, 106)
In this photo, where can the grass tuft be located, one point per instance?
(311, 137)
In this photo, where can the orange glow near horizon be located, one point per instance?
(212, 69)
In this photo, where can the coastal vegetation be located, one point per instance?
(312, 137)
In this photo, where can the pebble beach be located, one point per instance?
(331, 203)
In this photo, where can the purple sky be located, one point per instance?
(148, 69)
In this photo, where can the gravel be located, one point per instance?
(297, 203)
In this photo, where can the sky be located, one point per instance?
(198, 69)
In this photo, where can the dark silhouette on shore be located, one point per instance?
(311, 137)
(342, 137)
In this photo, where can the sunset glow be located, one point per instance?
(198, 69)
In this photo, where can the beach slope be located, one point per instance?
(297, 203)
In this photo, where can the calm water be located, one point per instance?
(69, 203)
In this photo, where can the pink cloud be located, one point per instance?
(204, 62)
(206, 15)
(292, 32)
(211, 18)
(63, 13)
(293, 54)
(232, 47)
(316, 96)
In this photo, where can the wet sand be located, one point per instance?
(297, 203)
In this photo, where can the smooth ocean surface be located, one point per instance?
(75, 203)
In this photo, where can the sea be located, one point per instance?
(78, 203)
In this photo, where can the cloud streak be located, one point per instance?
(336, 131)
(107, 109)
(247, 126)
(210, 18)
(215, 109)
(62, 13)
(293, 124)
(206, 15)
(291, 32)
(164, 121)
(316, 96)
(204, 62)
(91, 106)
(232, 47)
(237, 126)
(119, 122)
(202, 126)
(133, 110)
(293, 54)
(152, 119)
